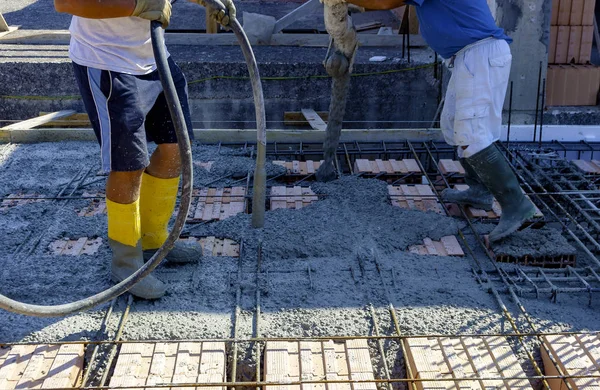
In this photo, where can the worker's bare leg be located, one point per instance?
(165, 162)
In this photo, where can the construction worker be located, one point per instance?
(477, 52)
(116, 72)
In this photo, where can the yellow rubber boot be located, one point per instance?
(157, 202)
(124, 238)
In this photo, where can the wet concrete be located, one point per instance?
(535, 243)
(322, 267)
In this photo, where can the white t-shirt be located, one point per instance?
(120, 45)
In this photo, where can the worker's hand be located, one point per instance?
(159, 10)
(220, 16)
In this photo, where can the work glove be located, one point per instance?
(220, 16)
(159, 10)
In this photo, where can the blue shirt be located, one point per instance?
(450, 25)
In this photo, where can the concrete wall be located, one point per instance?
(294, 78)
(528, 23)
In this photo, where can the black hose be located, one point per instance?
(158, 44)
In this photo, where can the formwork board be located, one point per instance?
(217, 204)
(300, 168)
(447, 246)
(415, 197)
(292, 197)
(41, 366)
(287, 362)
(212, 246)
(496, 211)
(574, 355)
(444, 361)
(386, 167)
(150, 364)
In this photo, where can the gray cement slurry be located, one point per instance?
(353, 241)
(534, 242)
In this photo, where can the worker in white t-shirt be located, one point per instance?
(114, 65)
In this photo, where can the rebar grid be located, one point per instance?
(493, 290)
(420, 152)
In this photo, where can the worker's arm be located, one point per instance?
(378, 4)
(105, 9)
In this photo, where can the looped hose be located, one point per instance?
(158, 46)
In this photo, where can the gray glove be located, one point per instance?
(159, 10)
(220, 16)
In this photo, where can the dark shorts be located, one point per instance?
(127, 112)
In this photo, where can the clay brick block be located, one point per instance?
(587, 39)
(562, 45)
(554, 15)
(572, 355)
(552, 47)
(463, 358)
(41, 366)
(574, 44)
(564, 12)
(148, 364)
(315, 360)
(576, 12)
(588, 13)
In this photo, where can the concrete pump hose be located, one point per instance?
(187, 182)
(186, 198)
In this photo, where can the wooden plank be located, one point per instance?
(35, 122)
(296, 118)
(314, 120)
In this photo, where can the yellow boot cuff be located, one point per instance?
(124, 222)
(157, 202)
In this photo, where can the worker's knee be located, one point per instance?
(165, 162)
(124, 187)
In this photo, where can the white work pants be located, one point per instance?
(472, 115)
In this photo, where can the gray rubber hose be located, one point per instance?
(187, 173)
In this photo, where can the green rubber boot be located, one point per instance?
(495, 173)
(128, 259)
(477, 196)
(182, 253)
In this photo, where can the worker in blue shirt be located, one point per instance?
(477, 52)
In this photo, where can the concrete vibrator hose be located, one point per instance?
(187, 174)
